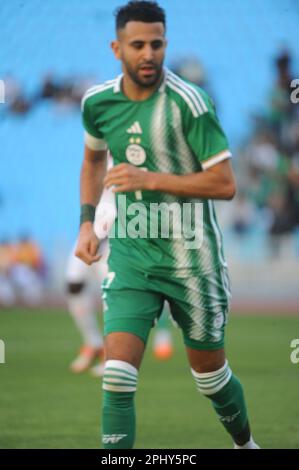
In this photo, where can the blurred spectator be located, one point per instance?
(272, 157)
(80, 86)
(190, 69)
(67, 92)
(50, 88)
(281, 108)
(243, 213)
(22, 272)
(7, 294)
(263, 153)
(28, 252)
(15, 97)
(12, 89)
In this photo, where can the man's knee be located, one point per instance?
(206, 361)
(210, 370)
(75, 287)
(125, 347)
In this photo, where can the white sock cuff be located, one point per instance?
(210, 383)
(119, 376)
(124, 366)
(208, 375)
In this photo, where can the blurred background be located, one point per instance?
(245, 54)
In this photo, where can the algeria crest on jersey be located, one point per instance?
(218, 321)
(135, 154)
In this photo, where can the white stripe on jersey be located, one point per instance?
(185, 98)
(219, 157)
(186, 92)
(97, 89)
(192, 92)
(190, 164)
(100, 85)
(118, 83)
(94, 88)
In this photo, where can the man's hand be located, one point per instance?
(127, 177)
(88, 244)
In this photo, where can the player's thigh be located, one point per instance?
(130, 305)
(124, 347)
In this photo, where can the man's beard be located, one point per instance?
(145, 83)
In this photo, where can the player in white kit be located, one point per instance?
(83, 294)
(83, 297)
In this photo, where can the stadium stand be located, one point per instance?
(41, 139)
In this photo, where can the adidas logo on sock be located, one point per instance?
(113, 438)
(228, 419)
(135, 128)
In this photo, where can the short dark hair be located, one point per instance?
(145, 11)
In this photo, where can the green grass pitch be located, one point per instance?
(42, 405)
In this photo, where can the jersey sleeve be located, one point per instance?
(205, 136)
(92, 135)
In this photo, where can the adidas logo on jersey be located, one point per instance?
(135, 128)
(113, 438)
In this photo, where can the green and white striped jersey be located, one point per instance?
(175, 130)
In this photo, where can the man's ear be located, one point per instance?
(115, 46)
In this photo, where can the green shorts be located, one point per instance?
(133, 301)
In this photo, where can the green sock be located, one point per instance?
(229, 404)
(118, 420)
(226, 394)
(118, 416)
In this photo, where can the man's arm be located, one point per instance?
(91, 186)
(217, 182)
(93, 171)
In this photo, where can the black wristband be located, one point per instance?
(87, 213)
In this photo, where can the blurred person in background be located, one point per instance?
(190, 69)
(281, 108)
(83, 301)
(18, 103)
(242, 214)
(67, 91)
(50, 87)
(28, 271)
(271, 156)
(7, 292)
